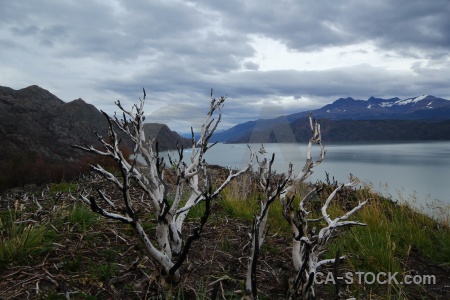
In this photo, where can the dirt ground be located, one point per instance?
(108, 262)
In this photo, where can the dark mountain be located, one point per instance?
(423, 112)
(424, 107)
(351, 131)
(167, 139)
(33, 120)
(37, 130)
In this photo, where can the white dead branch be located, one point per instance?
(271, 190)
(169, 248)
(307, 246)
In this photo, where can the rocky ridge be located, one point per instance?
(36, 126)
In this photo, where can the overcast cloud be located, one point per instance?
(289, 55)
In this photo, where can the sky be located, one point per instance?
(268, 57)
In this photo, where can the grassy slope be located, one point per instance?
(64, 249)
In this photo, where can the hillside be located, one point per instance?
(167, 139)
(75, 252)
(35, 121)
(346, 119)
(37, 130)
(351, 131)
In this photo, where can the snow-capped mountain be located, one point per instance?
(426, 110)
(423, 107)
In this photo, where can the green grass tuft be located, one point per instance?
(62, 187)
(19, 239)
(81, 216)
(105, 271)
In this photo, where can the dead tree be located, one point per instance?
(168, 248)
(271, 188)
(308, 247)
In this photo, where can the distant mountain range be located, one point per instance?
(37, 130)
(346, 119)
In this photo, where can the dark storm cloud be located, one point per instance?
(247, 90)
(178, 50)
(400, 25)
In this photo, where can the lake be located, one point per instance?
(418, 172)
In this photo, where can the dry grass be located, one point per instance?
(88, 257)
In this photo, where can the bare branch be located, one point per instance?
(150, 179)
(307, 246)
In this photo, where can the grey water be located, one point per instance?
(416, 172)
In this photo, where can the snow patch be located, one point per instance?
(386, 104)
(411, 100)
(404, 102)
(328, 111)
(420, 98)
(370, 105)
